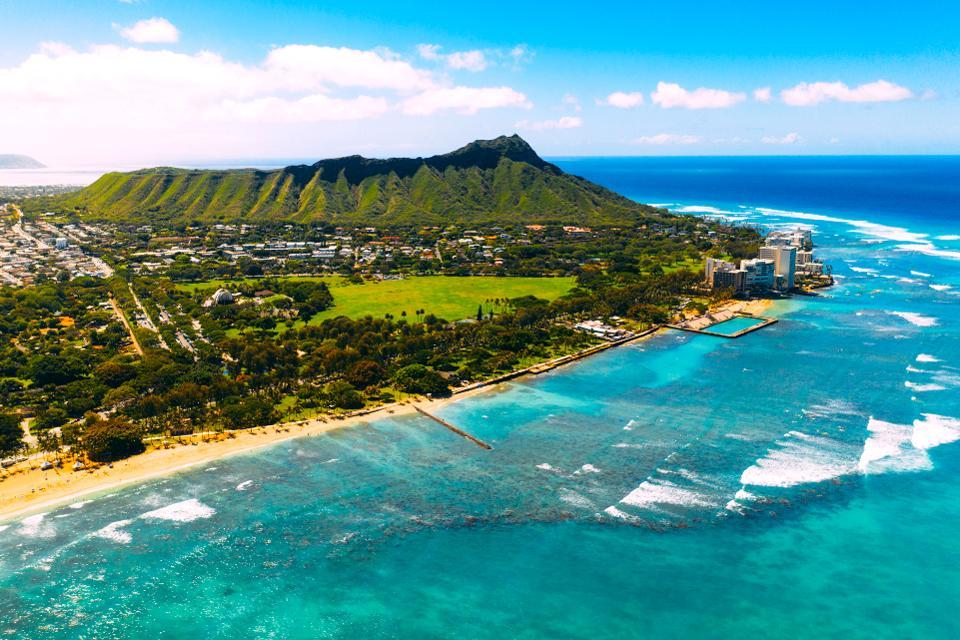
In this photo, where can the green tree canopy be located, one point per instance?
(11, 435)
(109, 440)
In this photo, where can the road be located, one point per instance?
(126, 325)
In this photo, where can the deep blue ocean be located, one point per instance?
(800, 482)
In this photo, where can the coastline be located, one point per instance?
(32, 490)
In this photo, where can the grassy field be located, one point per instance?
(213, 285)
(448, 297)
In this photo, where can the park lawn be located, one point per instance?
(447, 297)
(213, 285)
(694, 264)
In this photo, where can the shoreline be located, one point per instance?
(31, 490)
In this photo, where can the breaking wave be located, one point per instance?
(799, 458)
(185, 511)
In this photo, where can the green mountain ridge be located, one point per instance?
(499, 180)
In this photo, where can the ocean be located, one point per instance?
(798, 482)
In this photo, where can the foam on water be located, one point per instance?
(576, 499)
(950, 236)
(616, 513)
(947, 378)
(916, 319)
(920, 274)
(832, 408)
(923, 357)
(866, 270)
(930, 250)
(888, 449)
(801, 459)
(243, 486)
(587, 468)
(185, 511)
(934, 430)
(705, 209)
(655, 492)
(546, 466)
(923, 387)
(941, 287)
(36, 526)
(114, 532)
(864, 227)
(4, 527)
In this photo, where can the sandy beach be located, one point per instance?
(26, 489)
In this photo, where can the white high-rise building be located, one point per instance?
(784, 259)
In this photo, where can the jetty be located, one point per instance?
(460, 432)
(761, 323)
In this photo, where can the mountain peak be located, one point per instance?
(487, 153)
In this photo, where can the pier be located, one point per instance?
(456, 430)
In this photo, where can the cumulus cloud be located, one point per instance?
(132, 99)
(668, 138)
(565, 122)
(463, 100)
(790, 138)
(670, 95)
(622, 100)
(808, 94)
(150, 31)
(764, 94)
(306, 67)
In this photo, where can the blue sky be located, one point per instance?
(152, 81)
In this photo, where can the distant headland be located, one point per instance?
(16, 161)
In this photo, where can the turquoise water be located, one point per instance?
(798, 482)
(733, 325)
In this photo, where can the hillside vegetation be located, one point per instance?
(485, 181)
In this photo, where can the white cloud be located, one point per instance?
(150, 31)
(306, 67)
(127, 101)
(667, 138)
(313, 108)
(790, 138)
(572, 101)
(430, 52)
(808, 94)
(622, 100)
(763, 94)
(469, 60)
(565, 122)
(463, 100)
(474, 60)
(670, 95)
